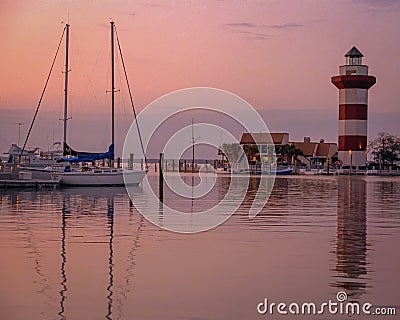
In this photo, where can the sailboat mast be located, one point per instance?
(65, 119)
(112, 89)
(192, 146)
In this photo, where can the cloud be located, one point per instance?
(243, 31)
(290, 25)
(150, 4)
(259, 36)
(250, 30)
(253, 31)
(379, 4)
(241, 25)
(249, 25)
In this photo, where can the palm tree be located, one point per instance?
(288, 151)
(231, 151)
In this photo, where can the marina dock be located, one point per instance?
(24, 180)
(34, 183)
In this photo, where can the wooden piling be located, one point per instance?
(130, 163)
(161, 179)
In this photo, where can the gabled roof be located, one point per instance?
(325, 149)
(309, 149)
(316, 149)
(280, 138)
(264, 138)
(354, 53)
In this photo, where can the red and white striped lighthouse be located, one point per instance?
(353, 83)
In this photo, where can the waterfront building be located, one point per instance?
(316, 154)
(313, 154)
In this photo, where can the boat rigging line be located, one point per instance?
(131, 98)
(44, 90)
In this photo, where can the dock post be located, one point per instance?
(328, 166)
(161, 179)
(130, 163)
(185, 166)
(141, 164)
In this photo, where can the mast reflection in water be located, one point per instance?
(65, 215)
(110, 215)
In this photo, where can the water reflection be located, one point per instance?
(83, 201)
(73, 253)
(65, 215)
(130, 261)
(74, 219)
(110, 215)
(351, 247)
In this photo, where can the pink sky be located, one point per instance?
(278, 55)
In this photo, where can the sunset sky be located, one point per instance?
(277, 55)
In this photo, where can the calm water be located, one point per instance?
(88, 254)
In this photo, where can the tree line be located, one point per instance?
(385, 149)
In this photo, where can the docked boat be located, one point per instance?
(284, 172)
(73, 169)
(94, 176)
(38, 163)
(278, 172)
(102, 177)
(35, 158)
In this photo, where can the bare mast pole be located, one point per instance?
(192, 146)
(65, 119)
(112, 90)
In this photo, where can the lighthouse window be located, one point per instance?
(350, 72)
(353, 61)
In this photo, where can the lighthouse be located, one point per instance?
(353, 83)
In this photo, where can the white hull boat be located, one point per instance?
(99, 177)
(83, 176)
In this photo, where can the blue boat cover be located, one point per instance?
(78, 156)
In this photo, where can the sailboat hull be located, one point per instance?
(114, 177)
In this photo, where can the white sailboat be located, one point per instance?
(102, 177)
(96, 176)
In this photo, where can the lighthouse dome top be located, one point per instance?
(353, 57)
